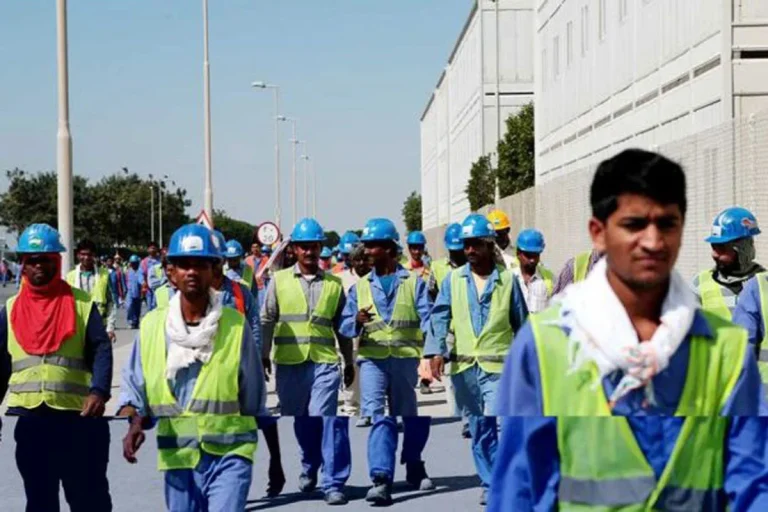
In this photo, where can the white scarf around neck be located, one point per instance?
(185, 347)
(601, 331)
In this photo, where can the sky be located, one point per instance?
(357, 75)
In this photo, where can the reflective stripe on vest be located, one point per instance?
(301, 335)
(491, 346)
(581, 266)
(712, 298)
(402, 336)
(211, 421)
(61, 380)
(762, 345)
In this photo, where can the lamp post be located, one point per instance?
(207, 109)
(276, 90)
(497, 193)
(152, 211)
(64, 140)
(305, 157)
(294, 141)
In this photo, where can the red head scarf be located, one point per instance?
(44, 316)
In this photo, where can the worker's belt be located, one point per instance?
(303, 340)
(38, 386)
(170, 442)
(395, 324)
(65, 362)
(197, 406)
(316, 320)
(458, 358)
(368, 342)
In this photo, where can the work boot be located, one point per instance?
(484, 497)
(335, 497)
(424, 387)
(276, 480)
(307, 483)
(416, 476)
(363, 421)
(381, 492)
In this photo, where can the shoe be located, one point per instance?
(484, 497)
(380, 494)
(307, 483)
(335, 498)
(424, 388)
(276, 482)
(416, 476)
(465, 433)
(364, 421)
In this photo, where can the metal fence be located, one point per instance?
(726, 165)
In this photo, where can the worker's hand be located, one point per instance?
(94, 406)
(133, 440)
(437, 364)
(267, 364)
(425, 369)
(349, 375)
(364, 315)
(112, 336)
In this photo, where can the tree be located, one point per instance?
(412, 212)
(480, 187)
(517, 155)
(235, 229)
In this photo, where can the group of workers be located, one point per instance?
(618, 384)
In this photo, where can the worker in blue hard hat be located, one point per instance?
(733, 250)
(237, 270)
(389, 310)
(301, 317)
(133, 296)
(482, 303)
(417, 247)
(325, 259)
(56, 366)
(194, 369)
(672, 382)
(536, 281)
(347, 243)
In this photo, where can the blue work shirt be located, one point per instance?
(155, 281)
(479, 309)
(385, 302)
(98, 358)
(749, 313)
(523, 482)
(251, 393)
(134, 281)
(118, 285)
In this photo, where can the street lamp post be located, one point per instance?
(207, 109)
(314, 189)
(276, 90)
(305, 157)
(295, 142)
(152, 211)
(497, 194)
(64, 140)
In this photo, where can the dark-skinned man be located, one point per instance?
(536, 281)
(301, 316)
(389, 310)
(503, 227)
(56, 363)
(482, 303)
(675, 385)
(195, 370)
(94, 280)
(237, 270)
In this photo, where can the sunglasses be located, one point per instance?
(38, 260)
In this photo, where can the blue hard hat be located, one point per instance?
(477, 226)
(40, 238)
(134, 259)
(233, 249)
(732, 224)
(416, 238)
(453, 241)
(220, 242)
(530, 240)
(265, 249)
(308, 230)
(326, 253)
(193, 241)
(380, 230)
(348, 242)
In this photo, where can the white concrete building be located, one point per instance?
(460, 121)
(617, 73)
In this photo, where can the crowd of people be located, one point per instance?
(619, 385)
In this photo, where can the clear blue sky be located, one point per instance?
(357, 74)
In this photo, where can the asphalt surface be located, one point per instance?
(140, 486)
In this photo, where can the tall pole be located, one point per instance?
(64, 141)
(207, 108)
(160, 214)
(497, 193)
(314, 189)
(277, 156)
(306, 180)
(293, 176)
(152, 211)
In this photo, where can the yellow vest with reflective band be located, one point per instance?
(211, 421)
(163, 296)
(99, 291)
(762, 346)
(247, 278)
(593, 478)
(402, 337)
(301, 335)
(581, 266)
(490, 348)
(441, 269)
(61, 380)
(711, 294)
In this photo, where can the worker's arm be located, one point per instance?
(349, 327)
(5, 357)
(154, 280)
(747, 397)
(520, 387)
(98, 354)
(252, 317)
(270, 312)
(440, 321)
(423, 305)
(527, 470)
(133, 391)
(252, 389)
(564, 278)
(345, 344)
(748, 312)
(746, 464)
(518, 313)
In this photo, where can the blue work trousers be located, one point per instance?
(133, 311)
(308, 388)
(324, 443)
(217, 484)
(475, 391)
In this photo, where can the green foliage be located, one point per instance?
(412, 212)
(517, 155)
(480, 187)
(234, 229)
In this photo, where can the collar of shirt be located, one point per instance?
(400, 271)
(298, 273)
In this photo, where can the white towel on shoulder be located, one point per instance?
(189, 345)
